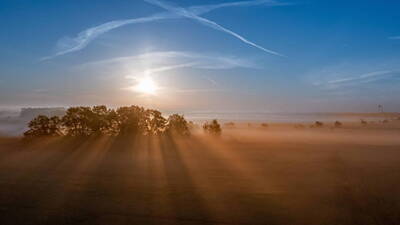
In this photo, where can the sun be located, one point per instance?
(146, 86)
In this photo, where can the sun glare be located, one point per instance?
(146, 86)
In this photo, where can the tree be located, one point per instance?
(96, 120)
(156, 123)
(177, 125)
(44, 126)
(100, 120)
(77, 121)
(212, 128)
(131, 119)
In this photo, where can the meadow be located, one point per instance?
(249, 175)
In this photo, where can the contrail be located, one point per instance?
(69, 45)
(86, 36)
(358, 80)
(188, 14)
(198, 10)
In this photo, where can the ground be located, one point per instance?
(276, 175)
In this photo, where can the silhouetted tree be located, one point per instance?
(78, 122)
(156, 123)
(131, 120)
(212, 128)
(100, 121)
(177, 125)
(44, 126)
(86, 121)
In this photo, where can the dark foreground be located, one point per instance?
(265, 178)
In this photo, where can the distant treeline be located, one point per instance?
(87, 121)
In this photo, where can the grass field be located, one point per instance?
(278, 175)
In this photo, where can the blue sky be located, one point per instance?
(276, 56)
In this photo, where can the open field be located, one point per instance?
(277, 175)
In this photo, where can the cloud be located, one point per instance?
(213, 82)
(198, 10)
(394, 38)
(162, 61)
(188, 14)
(358, 80)
(68, 45)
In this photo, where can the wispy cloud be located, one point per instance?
(213, 82)
(198, 10)
(68, 45)
(161, 61)
(188, 14)
(394, 38)
(128, 69)
(358, 80)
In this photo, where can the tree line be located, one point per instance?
(97, 120)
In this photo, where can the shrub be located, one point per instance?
(212, 128)
(318, 124)
(264, 125)
(363, 122)
(338, 124)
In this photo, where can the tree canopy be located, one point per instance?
(87, 121)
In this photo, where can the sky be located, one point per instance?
(202, 55)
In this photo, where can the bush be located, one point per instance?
(212, 128)
(264, 125)
(338, 124)
(363, 122)
(318, 124)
